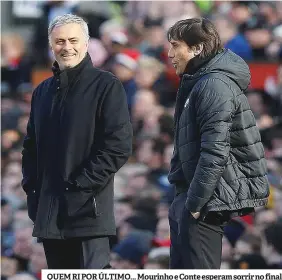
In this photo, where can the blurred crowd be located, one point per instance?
(128, 38)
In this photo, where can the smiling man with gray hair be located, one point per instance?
(78, 136)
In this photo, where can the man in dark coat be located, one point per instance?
(218, 165)
(78, 136)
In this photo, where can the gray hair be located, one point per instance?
(66, 19)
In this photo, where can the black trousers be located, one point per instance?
(195, 244)
(77, 253)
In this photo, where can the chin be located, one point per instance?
(68, 65)
(179, 72)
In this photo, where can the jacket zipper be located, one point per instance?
(177, 114)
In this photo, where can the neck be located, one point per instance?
(197, 63)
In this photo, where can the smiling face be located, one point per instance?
(69, 44)
(180, 54)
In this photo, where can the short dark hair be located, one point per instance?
(194, 31)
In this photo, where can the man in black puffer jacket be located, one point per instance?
(218, 165)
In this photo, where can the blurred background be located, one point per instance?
(128, 38)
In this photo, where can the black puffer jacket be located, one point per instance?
(218, 157)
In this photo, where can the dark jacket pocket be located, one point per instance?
(32, 204)
(80, 204)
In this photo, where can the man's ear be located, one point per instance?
(198, 49)
(51, 49)
(50, 45)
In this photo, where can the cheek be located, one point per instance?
(56, 50)
(180, 57)
(186, 56)
(83, 48)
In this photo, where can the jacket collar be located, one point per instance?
(197, 65)
(67, 76)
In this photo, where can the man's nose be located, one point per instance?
(170, 53)
(67, 45)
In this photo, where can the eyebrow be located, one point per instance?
(73, 38)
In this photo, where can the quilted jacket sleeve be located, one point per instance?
(214, 108)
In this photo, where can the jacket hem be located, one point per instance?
(75, 233)
(238, 205)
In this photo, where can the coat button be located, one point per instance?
(58, 87)
(33, 191)
(67, 189)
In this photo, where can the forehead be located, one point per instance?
(178, 42)
(67, 31)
